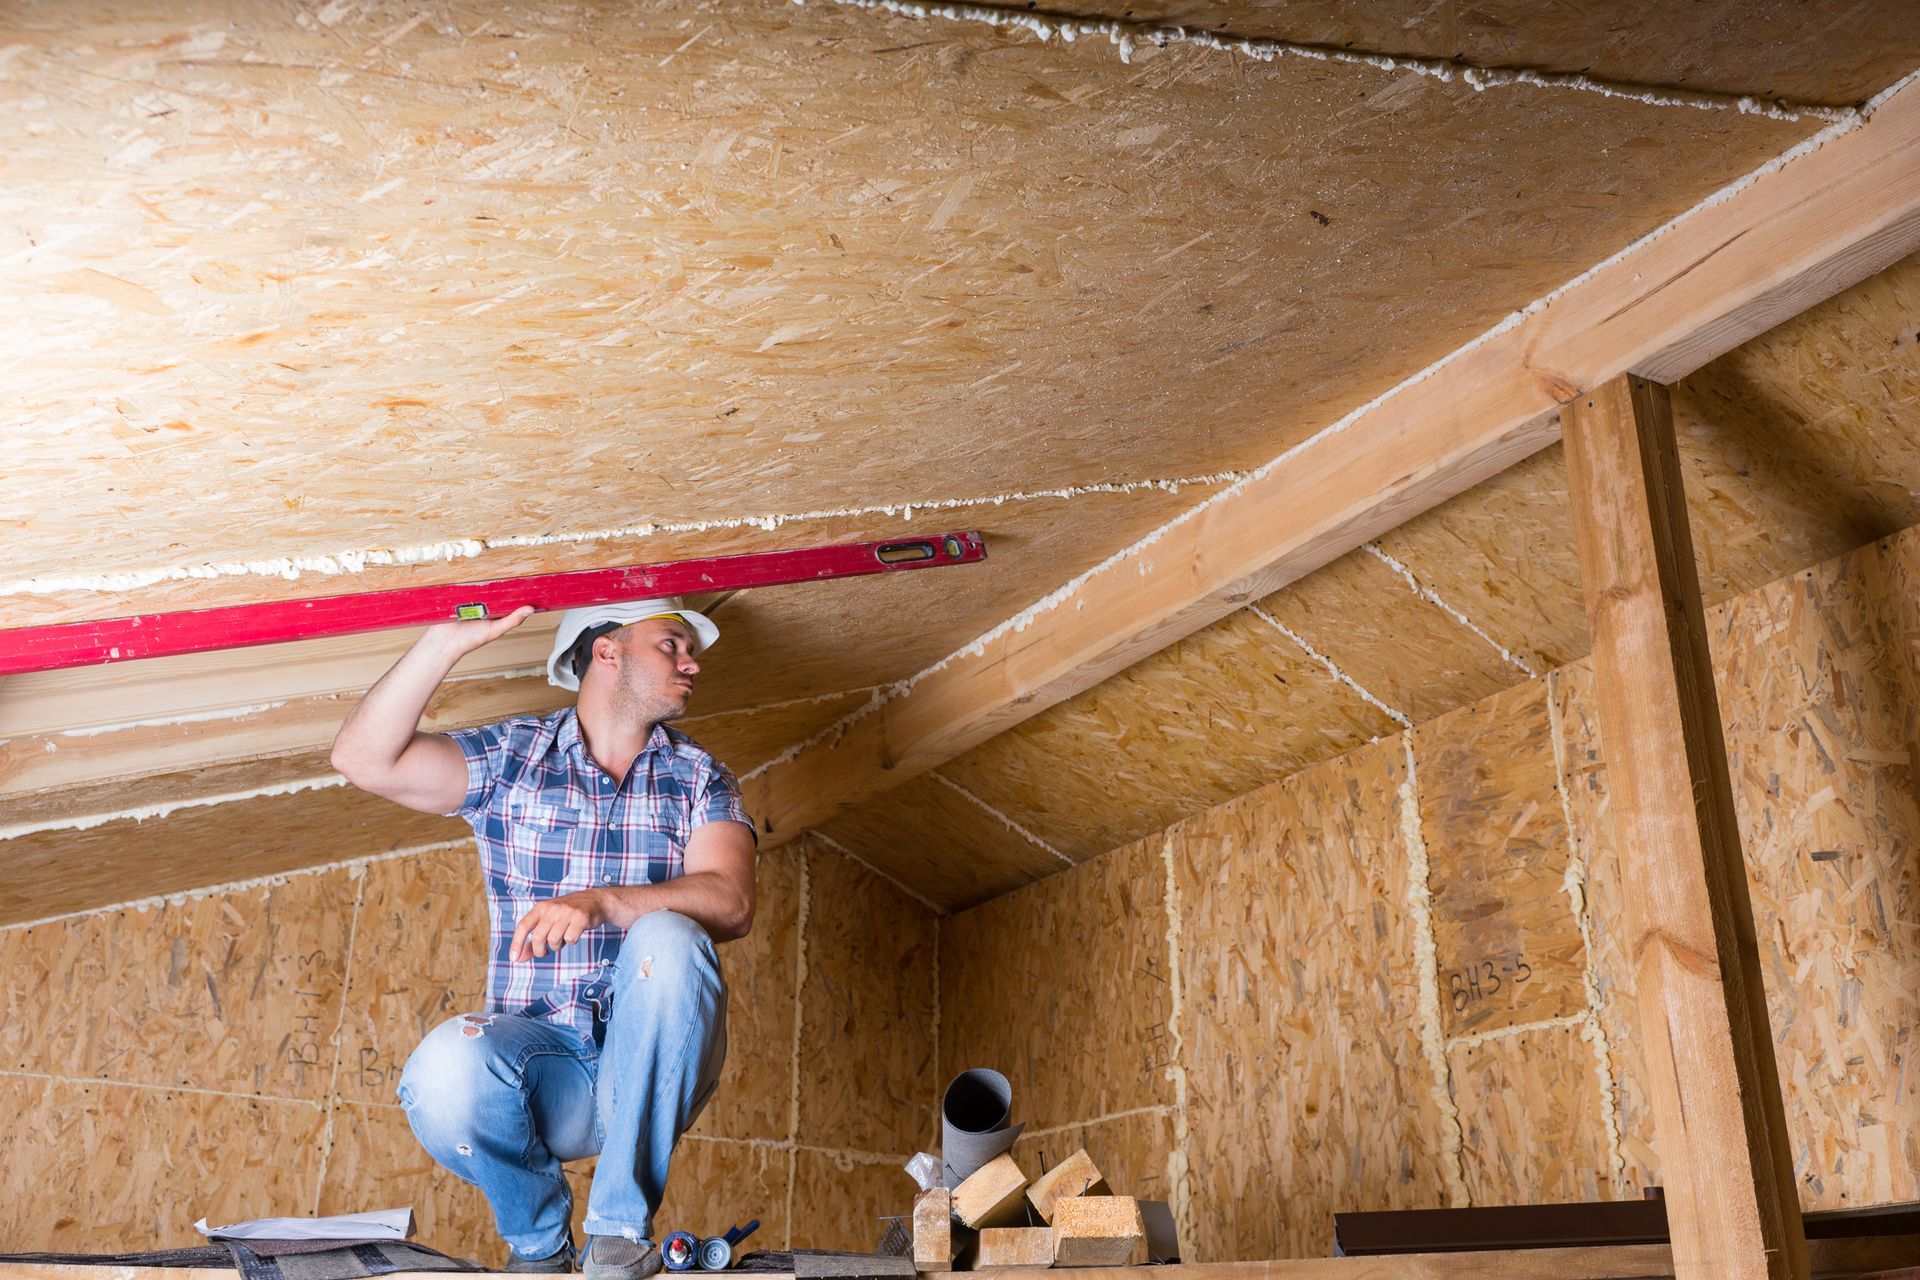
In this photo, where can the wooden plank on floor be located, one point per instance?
(1718, 1118)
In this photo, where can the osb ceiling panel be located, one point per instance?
(372, 278)
(1797, 446)
(1774, 49)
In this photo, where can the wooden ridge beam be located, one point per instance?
(1835, 212)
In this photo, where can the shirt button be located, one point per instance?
(606, 879)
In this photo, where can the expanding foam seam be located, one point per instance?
(849, 854)
(1128, 35)
(802, 917)
(857, 1155)
(1575, 887)
(1562, 1022)
(1426, 960)
(1157, 1109)
(212, 714)
(998, 816)
(359, 876)
(167, 808)
(1434, 598)
(1398, 717)
(1068, 591)
(351, 561)
(1179, 1179)
(183, 896)
(110, 1082)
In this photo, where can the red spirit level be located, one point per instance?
(157, 635)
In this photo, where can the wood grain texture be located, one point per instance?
(1132, 1151)
(1205, 719)
(420, 957)
(1709, 1055)
(54, 872)
(1530, 1118)
(716, 1184)
(1301, 999)
(1690, 294)
(755, 1097)
(1764, 49)
(239, 992)
(734, 297)
(839, 1203)
(1509, 946)
(1576, 709)
(1063, 986)
(1362, 615)
(376, 1160)
(867, 1072)
(1814, 673)
(949, 848)
(102, 1166)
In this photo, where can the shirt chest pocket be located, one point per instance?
(546, 841)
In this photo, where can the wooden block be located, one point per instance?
(1077, 1175)
(933, 1230)
(994, 1195)
(1015, 1247)
(1098, 1231)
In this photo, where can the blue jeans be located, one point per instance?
(500, 1100)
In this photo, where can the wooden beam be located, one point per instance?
(1725, 273)
(1719, 1122)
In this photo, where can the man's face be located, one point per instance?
(655, 678)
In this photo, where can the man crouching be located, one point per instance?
(615, 852)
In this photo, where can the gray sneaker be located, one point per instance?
(618, 1258)
(559, 1264)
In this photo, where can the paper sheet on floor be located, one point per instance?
(378, 1224)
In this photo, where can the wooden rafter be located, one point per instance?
(1793, 236)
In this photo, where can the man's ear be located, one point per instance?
(606, 648)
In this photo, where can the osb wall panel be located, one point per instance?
(421, 958)
(1817, 693)
(1509, 946)
(375, 1162)
(949, 848)
(1065, 987)
(847, 1198)
(867, 1011)
(1209, 717)
(1306, 1087)
(255, 991)
(1583, 772)
(755, 1098)
(239, 992)
(1294, 902)
(115, 1167)
(1530, 1109)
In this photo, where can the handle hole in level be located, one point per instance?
(905, 552)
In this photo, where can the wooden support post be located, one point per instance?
(1714, 1089)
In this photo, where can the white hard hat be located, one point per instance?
(576, 622)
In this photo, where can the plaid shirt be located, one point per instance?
(549, 821)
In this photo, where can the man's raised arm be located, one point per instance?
(381, 748)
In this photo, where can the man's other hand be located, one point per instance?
(555, 923)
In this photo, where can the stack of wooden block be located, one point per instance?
(1068, 1217)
